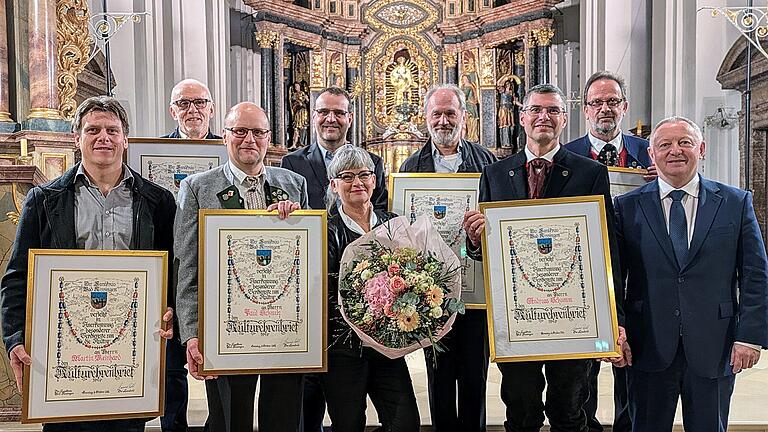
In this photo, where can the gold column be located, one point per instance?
(5, 114)
(43, 92)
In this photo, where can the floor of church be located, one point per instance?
(747, 407)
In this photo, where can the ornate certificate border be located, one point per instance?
(549, 281)
(189, 157)
(269, 277)
(125, 302)
(625, 180)
(436, 184)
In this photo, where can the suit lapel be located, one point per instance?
(709, 204)
(632, 151)
(61, 218)
(517, 175)
(316, 162)
(650, 203)
(560, 174)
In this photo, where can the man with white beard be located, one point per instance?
(465, 361)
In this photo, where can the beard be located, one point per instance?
(442, 137)
(603, 128)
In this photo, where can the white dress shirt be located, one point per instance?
(240, 176)
(351, 224)
(550, 156)
(446, 164)
(598, 144)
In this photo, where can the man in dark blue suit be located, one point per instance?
(192, 108)
(604, 104)
(696, 295)
(544, 169)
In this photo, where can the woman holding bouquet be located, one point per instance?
(354, 371)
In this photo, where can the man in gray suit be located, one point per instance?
(243, 182)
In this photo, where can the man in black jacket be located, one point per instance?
(91, 206)
(464, 364)
(192, 108)
(544, 169)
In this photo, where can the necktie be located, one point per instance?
(608, 155)
(254, 196)
(678, 226)
(538, 170)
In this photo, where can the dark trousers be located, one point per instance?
(130, 425)
(522, 385)
(352, 375)
(174, 418)
(653, 398)
(313, 405)
(231, 402)
(621, 421)
(464, 364)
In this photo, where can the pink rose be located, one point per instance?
(397, 284)
(388, 311)
(394, 269)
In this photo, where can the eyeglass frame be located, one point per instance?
(337, 113)
(548, 110)
(369, 173)
(611, 102)
(256, 132)
(191, 102)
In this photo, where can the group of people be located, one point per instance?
(688, 259)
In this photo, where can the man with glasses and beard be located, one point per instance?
(192, 108)
(604, 104)
(464, 364)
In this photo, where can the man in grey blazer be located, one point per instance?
(243, 182)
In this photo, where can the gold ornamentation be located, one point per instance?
(267, 38)
(287, 61)
(449, 60)
(45, 113)
(335, 69)
(353, 60)
(399, 17)
(316, 71)
(13, 216)
(543, 36)
(303, 43)
(5, 116)
(357, 88)
(487, 69)
(73, 47)
(520, 58)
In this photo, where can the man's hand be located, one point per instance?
(195, 359)
(652, 174)
(284, 208)
(743, 357)
(166, 329)
(19, 358)
(474, 224)
(626, 352)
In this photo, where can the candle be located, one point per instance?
(639, 127)
(23, 146)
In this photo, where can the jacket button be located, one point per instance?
(677, 312)
(681, 279)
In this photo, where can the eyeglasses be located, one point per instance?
(184, 103)
(349, 177)
(598, 103)
(241, 132)
(325, 112)
(537, 110)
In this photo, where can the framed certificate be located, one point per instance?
(262, 305)
(92, 332)
(167, 161)
(444, 198)
(549, 281)
(625, 180)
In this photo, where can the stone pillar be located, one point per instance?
(543, 38)
(288, 87)
(316, 84)
(44, 111)
(279, 100)
(533, 59)
(488, 128)
(265, 40)
(520, 71)
(451, 72)
(6, 122)
(355, 87)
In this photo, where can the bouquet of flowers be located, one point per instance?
(399, 286)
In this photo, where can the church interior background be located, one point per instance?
(683, 57)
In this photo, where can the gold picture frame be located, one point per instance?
(549, 280)
(92, 331)
(258, 334)
(624, 180)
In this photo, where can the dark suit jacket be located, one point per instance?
(719, 295)
(48, 221)
(176, 134)
(572, 175)
(308, 162)
(473, 158)
(637, 150)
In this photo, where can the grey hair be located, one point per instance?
(346, 157)
(618, 79)
(450, 87)
(544, 89)
(106, 104)
(189, 81)
(677, 119)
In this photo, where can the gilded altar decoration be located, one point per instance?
(543, 36)
(316, 70)
(336, 70)
(353, 60)
(449, 60)
(73, 45)
(267, 38)
(468, 84)
(519, 58)
(508, 83)
(487, 68)
(299, 103)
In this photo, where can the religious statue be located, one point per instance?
(402, 81)
(507, 113)
(299, 102)
(472, 131)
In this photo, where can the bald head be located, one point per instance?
(192, 108)
(247, 137)
(246, 109)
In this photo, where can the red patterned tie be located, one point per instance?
(538, 170)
